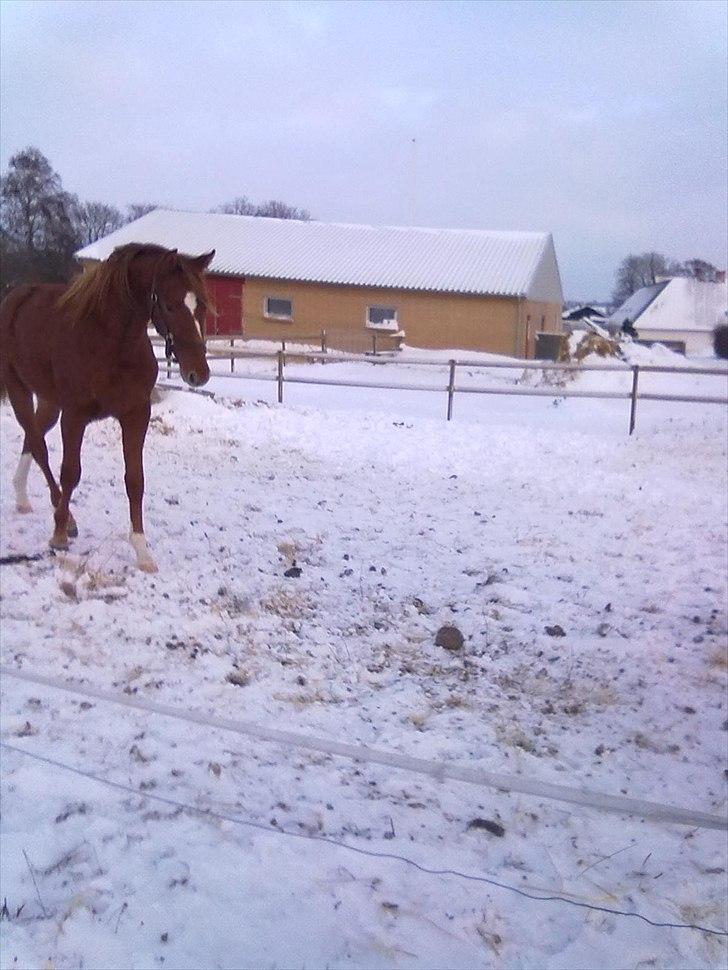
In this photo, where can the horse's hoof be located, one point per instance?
(24, 507)
(59, 543)
(144, 559)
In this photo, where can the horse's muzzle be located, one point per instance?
(196, 378)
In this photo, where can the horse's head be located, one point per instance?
(178, 308)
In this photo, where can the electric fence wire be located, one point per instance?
(373, 853)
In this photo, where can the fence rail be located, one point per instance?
(452, 388)
(370, 341)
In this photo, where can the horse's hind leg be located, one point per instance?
(21, 399)
(46, 415)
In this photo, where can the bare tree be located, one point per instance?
(281, 210)
(634, 272)
(700, 269)
(242, 206)
(138, 209)
(97, 219)
(38, 221)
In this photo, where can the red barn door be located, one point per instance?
(226, 294)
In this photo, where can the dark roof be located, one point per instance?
(578, 312)
(636, 304)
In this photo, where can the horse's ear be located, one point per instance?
(200, 263)
(168, 262)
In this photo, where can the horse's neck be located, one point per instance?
(118, 337)
(133, 336)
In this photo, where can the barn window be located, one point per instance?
(277, 308)
(382, 317)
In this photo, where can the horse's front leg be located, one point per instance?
(133, 432)
(73, 427)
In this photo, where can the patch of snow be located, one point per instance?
(515, 517)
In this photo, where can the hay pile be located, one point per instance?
(593, 343)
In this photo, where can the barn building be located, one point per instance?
(435, 288)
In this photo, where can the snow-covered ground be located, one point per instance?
(521, 514)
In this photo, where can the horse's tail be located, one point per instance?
(6, 315)
(9, 308)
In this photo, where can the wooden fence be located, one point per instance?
(452, 388)
(361, 342)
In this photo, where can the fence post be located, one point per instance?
(633, 406)
(323, 341)
(280, 376)
(232, 356)
(374, 342)
(450, 390)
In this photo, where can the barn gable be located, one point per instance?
(545, 285)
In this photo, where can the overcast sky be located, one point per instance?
(603, 123)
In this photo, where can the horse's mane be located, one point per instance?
(92, 292)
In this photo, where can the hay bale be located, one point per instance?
(592, 343)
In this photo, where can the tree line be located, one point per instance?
(635, 271)
(42, 225)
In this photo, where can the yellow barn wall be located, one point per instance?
(429, 320)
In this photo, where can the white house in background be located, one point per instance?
(677, 309)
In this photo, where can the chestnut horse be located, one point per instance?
(84, 351)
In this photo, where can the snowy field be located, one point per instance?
(520, 515)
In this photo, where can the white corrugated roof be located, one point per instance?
(445, 260)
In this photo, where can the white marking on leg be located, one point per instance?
(191, 304)
(144, 560)
(20, 481)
